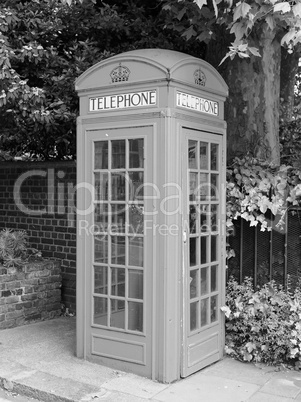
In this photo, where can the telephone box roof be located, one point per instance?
(147, 65)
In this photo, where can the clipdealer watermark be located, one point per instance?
(163, 229)
(57, 196)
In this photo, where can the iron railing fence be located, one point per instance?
(269, 255)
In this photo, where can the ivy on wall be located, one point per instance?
(257, 189)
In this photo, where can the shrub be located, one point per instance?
(14, 249)
(258, 190)
(263, 325)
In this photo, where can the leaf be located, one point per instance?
(189, 32)
(271, 22)
(215, 8)
(238, 30)
(200, 3)
(226, 310)
(284, 7)
(247, 356)
(293, 352)
(250, 347)
(245, 9)
(181, 13)
(237, 12)
(241, 11)
(229, 351)
(281, 186)
(254, 51)
(290, 35)
(297, 10)
(204, 37)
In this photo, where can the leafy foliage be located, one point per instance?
(45, 45)
(263, 325)
(290, 142)
(14, 250)
(257, 190)
(247, 21)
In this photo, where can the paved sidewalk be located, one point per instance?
(38, 361)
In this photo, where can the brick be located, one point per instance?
(55, 278)
(52, 307)
(28, 289)
(39, 303)
(13, 285)
(47, 241)
(45, 315)
(71, 257)
(54, 293)
(12, 299)
(11, 307)
(19, 276)
(4, 309)
(43, 273)
(6, 278)
(2, 317)
(30, 311)
(6, 293)
(61, 229)
(44, 280)
(7, 324)
(69, 277)
(30, 267)
(11, 270)
(70, 270)
(18, 292)
(61, 243)
(40, 288)
(54, 285)
(32, 296)
(42, 295)
(14, 314)
(33, 317)
(30, 275)
(31, 282)
(20, 321)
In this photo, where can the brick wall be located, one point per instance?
(30, 293)
(39, 198)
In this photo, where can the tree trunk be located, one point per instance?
(252, 109)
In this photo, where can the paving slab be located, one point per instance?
(235, 370)
(135, 385)
(207, 388)
(46, 386)
(261, 397)
(112, 396)
(6, 396)
(287, 384)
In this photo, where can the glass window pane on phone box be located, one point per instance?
(101, 155)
